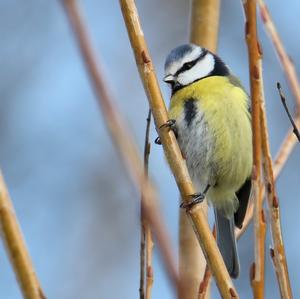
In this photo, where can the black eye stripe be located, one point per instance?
(188, 65)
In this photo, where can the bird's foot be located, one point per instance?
(171, 125)
(195, 199)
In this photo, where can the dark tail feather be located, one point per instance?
(243, 196)
(227, 243)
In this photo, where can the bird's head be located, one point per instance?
(189, 63)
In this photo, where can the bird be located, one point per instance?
(210, 114)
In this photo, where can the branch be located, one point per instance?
(149, 267)
(280, 262)
(283, 100)
(257, 275)
(142, 257)
(16, 247)
(205, 23)
(205, 283)
(146, 226)
(145, 229)
(123, 140)
(172, 150)
(285, 149)
(256, 74)
(272, 254)
(282, 156)
(192, 264)
(290, 141)
(254, 53)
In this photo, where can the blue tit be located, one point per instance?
(211, 114)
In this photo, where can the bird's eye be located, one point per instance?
(188, 65)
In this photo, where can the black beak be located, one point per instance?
(170, 79)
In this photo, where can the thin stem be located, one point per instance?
(290, 141)
(272, 254)
(142, 257)
(149, 267)
(16, 247)
(205, 283)
(254, 54)
(280, 160)
(172, 151)
(148, 232)
(273, 205)
(286, 149)
(145, 229)
(279, 252)
(123, 140)
(283, 100)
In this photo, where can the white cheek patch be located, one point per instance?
(196, 52)
(176, 65)
(173, 68)
(199, 70)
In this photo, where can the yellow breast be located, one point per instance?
(224, 106)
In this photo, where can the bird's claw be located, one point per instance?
(171, 125)
(195, 199)
(157, 141)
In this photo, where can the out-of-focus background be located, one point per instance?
(76, 206)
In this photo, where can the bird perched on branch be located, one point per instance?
(210, 115)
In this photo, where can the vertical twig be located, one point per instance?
(279, 252)
(142, 256)
(283, 101)
(123, 140)
(286, 149)
(192, 262)
(258, 283)
(16, 248)
(172, 150)
(204, 28)
(280, 160)
(145, 228)
(149, 267)
(205, 282)
(280, 262)
(290, 141)
(147, 233)
(254, 51)
(204, 25)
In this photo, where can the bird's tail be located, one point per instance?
(227, 243)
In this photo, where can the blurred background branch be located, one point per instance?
(122, 138)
